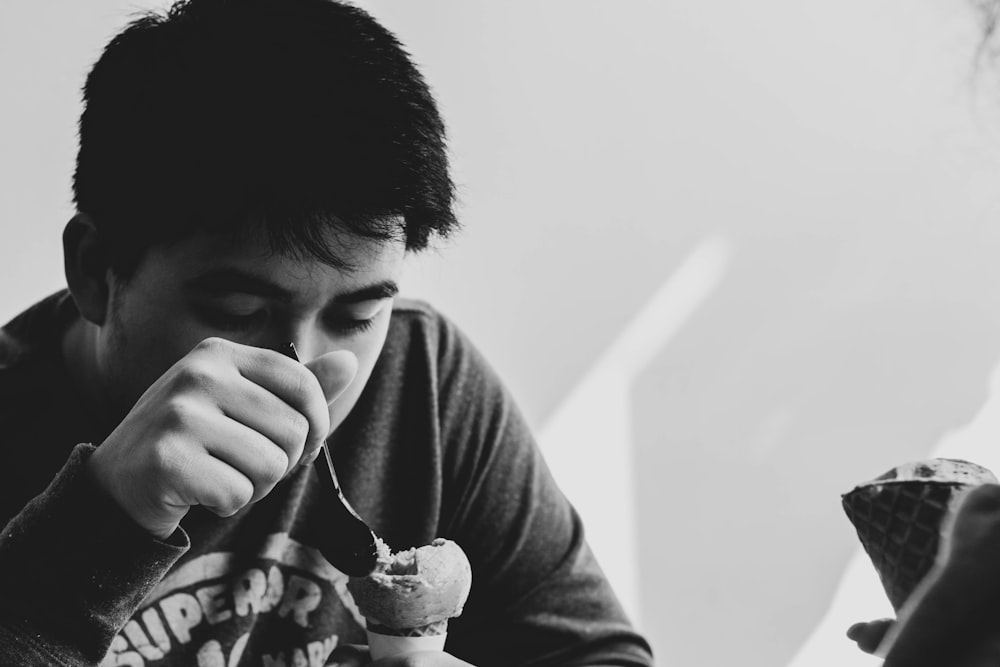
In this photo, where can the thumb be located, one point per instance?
(335, 372)
(348, 655)
(869, 635)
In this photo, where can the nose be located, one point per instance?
(305, 332)
(304, 352)
(308, 344)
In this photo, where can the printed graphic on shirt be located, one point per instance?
(286, 606)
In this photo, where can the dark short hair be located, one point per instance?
(290, 114)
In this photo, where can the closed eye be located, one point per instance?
(352, 327)
(355, 319)
(228, 320)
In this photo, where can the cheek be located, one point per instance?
(142, 346)
(134, 365)
(156, 326)
(158, 343)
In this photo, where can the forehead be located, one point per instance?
(359, 259)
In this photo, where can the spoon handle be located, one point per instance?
(349, 544)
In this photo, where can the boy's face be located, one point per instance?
(240, 290)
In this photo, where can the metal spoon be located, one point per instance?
(349, 543)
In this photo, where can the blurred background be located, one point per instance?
(732, 259)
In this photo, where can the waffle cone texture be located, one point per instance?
(899, 514)
(429, 630)
(899, 525)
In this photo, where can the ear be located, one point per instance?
(86, 265)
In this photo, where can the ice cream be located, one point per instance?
(898, 517)
(410, 596)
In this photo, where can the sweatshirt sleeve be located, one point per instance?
(539, 596)
(73, 569)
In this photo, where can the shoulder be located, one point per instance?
(438, 359)
(35, 331)
(40, 412)
(11, 349)
(410, 312)
(420, 329)
(418, 326)
(412, 315)
(30, 356)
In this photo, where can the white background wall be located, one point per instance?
(746, 252)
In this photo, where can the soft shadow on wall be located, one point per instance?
(835, 150)
(741, 462)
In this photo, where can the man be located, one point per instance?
(251, 173)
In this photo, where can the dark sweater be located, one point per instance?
(434, 447)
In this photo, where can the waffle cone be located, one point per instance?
(899, 525)
(386, 642)
(431, 629)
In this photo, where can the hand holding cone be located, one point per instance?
(898, 517)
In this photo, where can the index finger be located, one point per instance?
(869, 635)
(293, 383)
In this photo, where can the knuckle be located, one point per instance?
(213, 345)
(203, 364)
(178, 413)
(196, 374)
(169, 458)
(297, 428)
(231, 497)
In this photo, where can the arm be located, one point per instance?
(80, 557)
(73, 568)
(538, 596)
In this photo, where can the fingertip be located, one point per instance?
(348, 655)
(335, 372)
(347, 360)
(869, 635)
(310, 458)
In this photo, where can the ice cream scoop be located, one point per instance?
(409, 598)
(898, 517)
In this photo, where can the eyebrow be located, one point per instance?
(228, 280)
(385, 289)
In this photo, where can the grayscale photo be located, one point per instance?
(524, 334)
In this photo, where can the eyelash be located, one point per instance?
(243, 323)
(352, 327)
